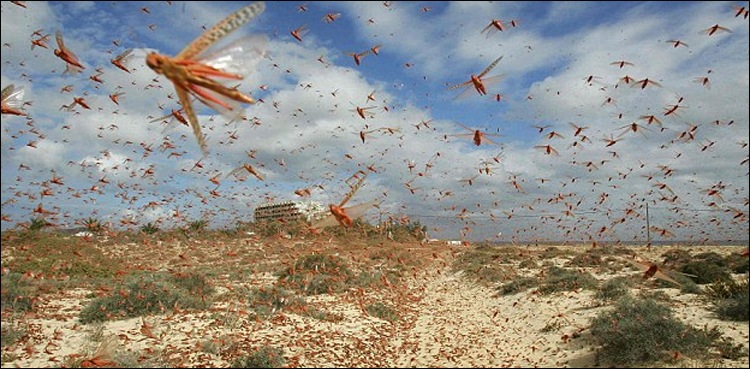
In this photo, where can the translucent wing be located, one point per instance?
(240, 57)
(357, 211)
(239, 172)
(121, 60)
(460, 85)
(61, 44)
(232, 109)
(171, 125)
(12, 98)
(220, 30)
(106, 350)
(489, 68)
(126, 55)
(647, 269)
(465, 127)
(59, 39)
(487, 82)
(491, 81)
(6, 92)
(465, 93)
(328, 221)
(354, 212)
(485, 139)
(491, 30)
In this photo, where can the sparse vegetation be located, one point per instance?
(62, 256)
(197, 227)
(486, 263)
(149, 228)
(10, 333)
(195, 284)
(642, 331)
(613, 289)
(36, 224)
(560, 279)
(555, 279)
(317, 274)
(382, 311)
(19, 292)
(268, 301)
(93, 225)
(264, 357)
(706, 271)
(528, 264)
(517, 285)
(730, 299)
(738, 264)
(93, 262)
(687, 285)
(146, 294)
(586, 259)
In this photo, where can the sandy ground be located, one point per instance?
(445, 320)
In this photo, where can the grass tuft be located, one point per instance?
(613, 289)
(147, 294)
(642, 331)
(382, 311)
(264, 357)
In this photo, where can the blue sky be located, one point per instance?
(308, 133)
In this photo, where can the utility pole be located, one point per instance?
(648, 226)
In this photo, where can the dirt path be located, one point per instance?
(460, 324)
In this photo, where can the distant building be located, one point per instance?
(289, 211)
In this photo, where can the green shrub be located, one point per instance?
(317, 274)
(726, 289)
(735, 308)
(730, 299)
(264, 357)
(517, 285)
(267, 301)
(197, 226)
(37, 224)
(141, 296)
(712, 258)
(613, 289)
(586, 259)
(93, 225)
(19, 293)
(687, 285)
(484, 263)
(528, 264)
(194, 284)
(368, 279)
(560, 279)
(149, 228)
(738, 264)
(382, 311)
(706, 271)
(10, 333)
(641, 331)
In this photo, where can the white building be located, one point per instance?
(290, 211)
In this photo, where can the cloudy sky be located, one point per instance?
(674, 137)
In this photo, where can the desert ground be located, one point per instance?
(385, 303)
